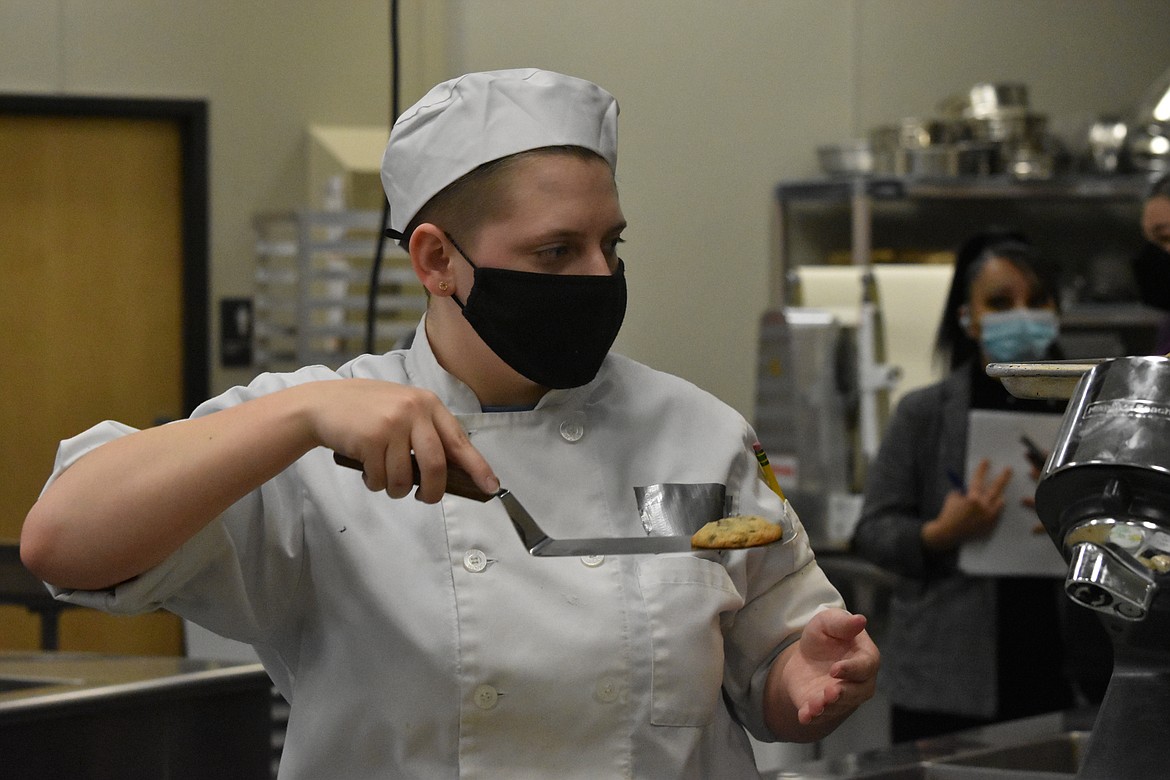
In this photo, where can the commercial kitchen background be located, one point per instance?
(720, 101)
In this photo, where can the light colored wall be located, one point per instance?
(713, 99)
(720, 100)
(1078, 57)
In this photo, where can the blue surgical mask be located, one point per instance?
(1017, 335)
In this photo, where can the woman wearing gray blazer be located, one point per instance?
(962, 651)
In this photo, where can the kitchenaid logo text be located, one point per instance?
(1127, 408)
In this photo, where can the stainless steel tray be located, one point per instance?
(1054, 379)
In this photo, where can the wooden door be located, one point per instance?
(91, 312)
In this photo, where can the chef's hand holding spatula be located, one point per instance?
(409, 441)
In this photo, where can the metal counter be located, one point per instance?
(81, 716)
(1044, 747)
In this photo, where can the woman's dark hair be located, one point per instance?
(953, 346)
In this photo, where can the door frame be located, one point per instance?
(191, 118)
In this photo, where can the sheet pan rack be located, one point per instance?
(311, 289)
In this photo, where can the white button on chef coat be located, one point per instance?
(572, 428)
(593, 561)
(486, 697)
(608, 690)
(475, 561)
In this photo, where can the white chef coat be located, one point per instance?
(417, 640)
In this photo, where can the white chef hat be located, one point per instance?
(468, 121)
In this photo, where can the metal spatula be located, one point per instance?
(535, 540)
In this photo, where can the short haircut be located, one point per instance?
(468, 203)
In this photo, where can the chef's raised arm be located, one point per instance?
(124, 506)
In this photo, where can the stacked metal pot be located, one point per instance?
(991, 129)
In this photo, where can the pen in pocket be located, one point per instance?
(766, 469)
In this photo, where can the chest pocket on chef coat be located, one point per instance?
(685, 599)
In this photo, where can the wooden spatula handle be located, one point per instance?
(459, 482)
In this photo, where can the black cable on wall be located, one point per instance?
(379, 251)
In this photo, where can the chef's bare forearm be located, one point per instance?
(127, 505)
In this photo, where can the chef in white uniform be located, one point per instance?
(410, 630)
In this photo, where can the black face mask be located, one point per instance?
(554, 329)
(1151, 271)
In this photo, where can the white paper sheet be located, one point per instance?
(1012, 549)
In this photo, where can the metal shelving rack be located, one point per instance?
(1084, 219)
(311, 289)
(866, 195)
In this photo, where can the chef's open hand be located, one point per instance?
(822, 677)
(382, 423)
(970, 514)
